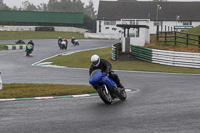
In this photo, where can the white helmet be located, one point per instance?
(95, 60)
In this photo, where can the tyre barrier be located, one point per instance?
(15, 47)
(115, 50)
(171, 58)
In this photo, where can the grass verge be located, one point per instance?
(179, 46)
(82, 60)
(15, 35)
(39, 90)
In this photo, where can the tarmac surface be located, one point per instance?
(164, 102)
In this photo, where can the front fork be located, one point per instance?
(106, 89)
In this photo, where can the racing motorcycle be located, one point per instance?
(106, 87)
(20, 42)
(76, 42)
(64, 44)
(29, 49)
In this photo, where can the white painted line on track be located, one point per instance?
(39, 98)
(84, 95)
(12, 99)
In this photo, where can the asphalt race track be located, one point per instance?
(165, 103)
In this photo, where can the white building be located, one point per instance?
(168, 15)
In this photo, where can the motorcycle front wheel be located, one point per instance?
(106, 98)
(27, 53)
(122, 95)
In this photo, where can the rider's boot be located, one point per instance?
(121, 86)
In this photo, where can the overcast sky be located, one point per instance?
(18, 3)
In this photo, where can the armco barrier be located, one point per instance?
(171, 58)
(15, 47)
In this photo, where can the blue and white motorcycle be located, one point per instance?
(106, 87)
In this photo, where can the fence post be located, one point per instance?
(1, 83)
(157, 33)
(187, 38)
(165, 37)
(175, 37)
(199, 41)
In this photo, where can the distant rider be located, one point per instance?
(59, 39)
(105, 67)
(73, 39)
(30, 42)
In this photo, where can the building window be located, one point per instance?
(106, 23)
(99, 26)
(112, 22)
(185, 23)
(156, 23)
(134, 32)
(109, 22)
(107, 28)
(114, 29)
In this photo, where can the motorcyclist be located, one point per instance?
(30, 42)
(73, 39)
(105, 67)
(20, 41)
(59, 39)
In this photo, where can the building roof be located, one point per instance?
(115, 10)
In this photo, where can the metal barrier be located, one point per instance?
(171, 58)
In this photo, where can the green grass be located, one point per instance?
(15, 35)
(2, 46)
(39, 90)
(179, 46)
(82, 60)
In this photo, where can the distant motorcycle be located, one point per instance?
(20, 42)
(29, 49)
(74, 42)
(106, 87)
(64, 44)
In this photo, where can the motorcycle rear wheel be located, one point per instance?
(106, 98)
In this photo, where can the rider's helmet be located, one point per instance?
(31, 41)
(72, 37)
(59, 37)
(95, 60)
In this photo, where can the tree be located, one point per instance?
(28, 6)
(65, 6)
(42, 7)
(15, 8)
(89, 10)
(3, 6)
